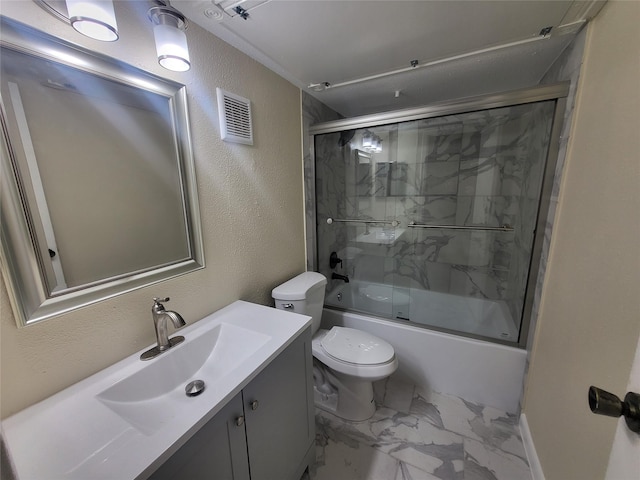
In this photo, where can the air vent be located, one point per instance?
(235, 118)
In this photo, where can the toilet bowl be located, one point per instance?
(346, 361)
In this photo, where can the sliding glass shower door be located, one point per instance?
(432, 220)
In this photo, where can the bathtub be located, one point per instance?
(478, 371)
(475, 316)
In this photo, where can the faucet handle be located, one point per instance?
(157, 305)
(334, 260)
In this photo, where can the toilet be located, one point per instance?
(346, 361)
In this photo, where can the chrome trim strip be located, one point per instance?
(516, 97)
(541, 221)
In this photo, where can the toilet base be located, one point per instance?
(352, 400)
(324, 401)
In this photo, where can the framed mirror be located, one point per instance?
(98, 180)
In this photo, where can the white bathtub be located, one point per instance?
(478, 371)
(476, 316)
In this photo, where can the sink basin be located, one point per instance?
(128, 419)
(145, 398)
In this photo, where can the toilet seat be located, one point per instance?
(355, 346)
(339, 345)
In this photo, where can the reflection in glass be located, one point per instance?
(99, 191)
(476, 169)
(100, 161)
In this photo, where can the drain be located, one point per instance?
(194, 388)
(505, 334)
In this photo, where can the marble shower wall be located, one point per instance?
(313, 111)
(479, 168)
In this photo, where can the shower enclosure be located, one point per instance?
(435, 215)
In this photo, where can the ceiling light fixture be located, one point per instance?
(367, 139)
(97, 19)
(371, 142)
(94, 18)
(169, 26)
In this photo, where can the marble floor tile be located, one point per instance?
(408, 472)
(340, 460)
(438, 437)
(483, 462)
(478, 422)
(407, 438)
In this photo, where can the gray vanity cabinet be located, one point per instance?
(279, 413)
(216, 451)
(266, 432)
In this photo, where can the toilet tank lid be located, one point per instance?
(297, 287)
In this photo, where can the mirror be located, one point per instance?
(98, 181)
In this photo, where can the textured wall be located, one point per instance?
(251, 203)
(588, 320)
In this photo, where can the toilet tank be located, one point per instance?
(302, 294)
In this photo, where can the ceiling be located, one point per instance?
(332, 48)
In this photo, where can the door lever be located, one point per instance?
(605, 403)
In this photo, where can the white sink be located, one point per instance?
(144, 398)
(126, 420)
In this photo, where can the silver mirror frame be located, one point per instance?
(21, 262)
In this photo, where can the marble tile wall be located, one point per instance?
(313, 111)
(479, 168)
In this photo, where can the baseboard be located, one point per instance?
(530, 449)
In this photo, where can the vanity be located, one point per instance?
(130, 219)
(254, 419)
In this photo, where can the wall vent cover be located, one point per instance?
(235, 118)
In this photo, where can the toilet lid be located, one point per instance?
(356, 346)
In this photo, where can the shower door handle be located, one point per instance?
(605, 403)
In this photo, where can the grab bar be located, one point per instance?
(393, 223)
(503, 228)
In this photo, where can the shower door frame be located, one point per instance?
(557, 92)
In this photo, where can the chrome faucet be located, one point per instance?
(160, 316)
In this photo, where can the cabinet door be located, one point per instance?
(216, 452)
(280, 426)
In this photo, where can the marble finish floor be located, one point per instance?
(420, 435)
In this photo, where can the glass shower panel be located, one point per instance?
(432, 221)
